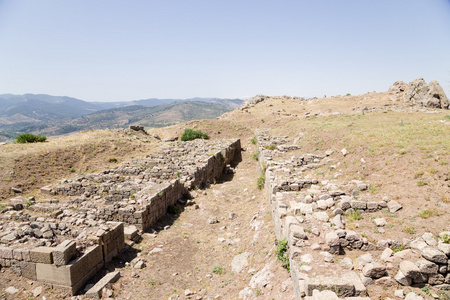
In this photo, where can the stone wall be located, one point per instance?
(63, 266)
(309, 215)
(65, 241)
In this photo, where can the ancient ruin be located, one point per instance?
(69, 234)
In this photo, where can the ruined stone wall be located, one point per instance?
(62, 265)
(65, 241)
(309, 215)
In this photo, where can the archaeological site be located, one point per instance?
(342, 197)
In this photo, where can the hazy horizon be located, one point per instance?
(112, 51)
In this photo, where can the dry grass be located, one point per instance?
(33, 166)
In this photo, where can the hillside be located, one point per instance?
(316, 154)
(54, 115)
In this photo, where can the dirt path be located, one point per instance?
(192, 258)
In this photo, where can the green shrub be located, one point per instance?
(253, 140)
(282, 254)
(260, 181)
(426, 213)
(446, 238)
(353, 214)
(189, 135)
(218, 269)
(255, 156)
(112, 160)
(270, 147)
(30, 138)
(409, 229)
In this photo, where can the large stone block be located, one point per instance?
(6, 253)
(96, 290)
(331, 283)
(74, 274)
(64, 252)
(43, 255)
(28, 270)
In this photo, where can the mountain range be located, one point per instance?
(55, 115)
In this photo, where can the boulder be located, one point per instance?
(402, 279)
(394, 206)
(397, 90)
(430, 95)
(239, 262)
(409, 269)
(434, 255)
(374, 270)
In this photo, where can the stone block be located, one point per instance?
(358, 204)
(26, 255)
(43, 255)
(130, 232)
(331, 283)
(28, 270)
(6, 253)
(17, 254)
(96, 290)
(402, 279)
(372, 206)
(374, 270)
(409, 269)
(427, 267)
(54, 274)
(64, 252)
(46, 190)
(434, 255)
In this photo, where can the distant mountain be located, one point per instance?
(46, 107)
(55, 115)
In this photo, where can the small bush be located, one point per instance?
(446, 238)
(173, 210)
(426, 214)
(421, 183)
(112, 160)
(25, 138)
(218, 269)
(270, 147)
(397, 249)
(255, 156)
(353, 214)
(409, 229)
(189, 135)
(282, 254)
(260, 181)
(253, 140)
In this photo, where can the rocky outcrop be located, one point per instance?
(418, 92)
(253, 101)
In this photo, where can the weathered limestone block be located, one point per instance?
(64, 252)
(76, 273)
(6, 253)
(96, 290)
(43, 255)
(358, 204)
(130, 232)
(348, 285)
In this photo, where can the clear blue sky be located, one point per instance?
(110, 50)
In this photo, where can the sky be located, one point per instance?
(111, 50)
